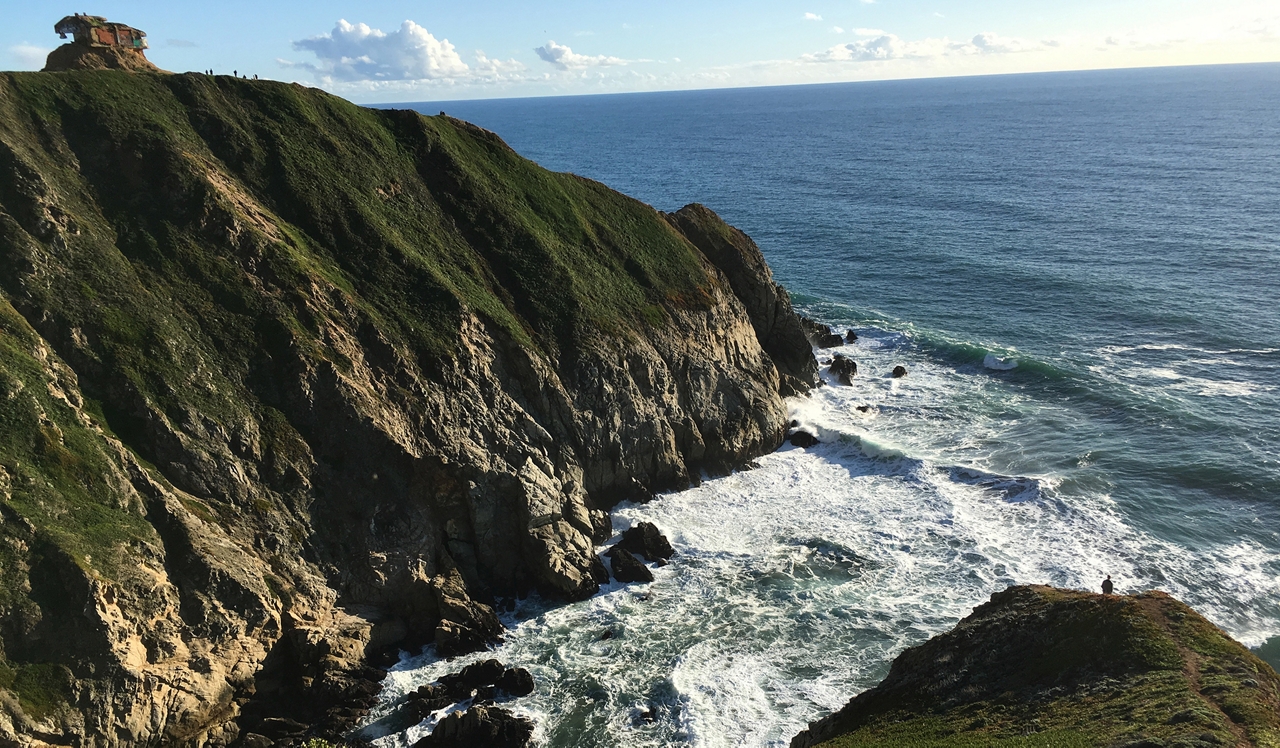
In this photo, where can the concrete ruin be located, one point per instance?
(99, 44)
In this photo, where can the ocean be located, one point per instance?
(1081, 271)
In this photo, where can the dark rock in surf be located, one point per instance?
(844, 368)
(626, 567)
(812, 328)
(484, 673)
(515, 681)
(850, 336)
(899, 371)
(489, 726)
(863, 408)
(645, 540)
(803, 439)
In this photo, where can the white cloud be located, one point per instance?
(487, 67)
(29, 56)
(837, 29)
(883, 46)
(356, 52)
(565, 58)
(812, 17)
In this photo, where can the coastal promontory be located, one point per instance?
(285, 382)
(1040, 666)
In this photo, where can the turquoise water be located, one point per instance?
(1081, 271)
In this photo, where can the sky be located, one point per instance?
(383, 51)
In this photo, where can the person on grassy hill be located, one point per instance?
(1107, 587)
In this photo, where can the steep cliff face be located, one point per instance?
(283, 380)
(1044, 666)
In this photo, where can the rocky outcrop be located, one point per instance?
(489, 726)
(626, 567)
(76, 56)
(844, 368)
(777, 326)
(821, 335)
(284, 382)
(644, 539)
(1070, 668)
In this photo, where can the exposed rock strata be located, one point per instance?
(1072, 668)
(284, 382)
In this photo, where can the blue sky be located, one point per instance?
(419, 51)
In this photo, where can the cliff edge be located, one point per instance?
(1043, 666)
(284, 381)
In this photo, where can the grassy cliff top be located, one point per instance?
(414, 219)
(1039, 666)
(167, 241)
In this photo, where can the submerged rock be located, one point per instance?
(1076, 668)
(802, 439)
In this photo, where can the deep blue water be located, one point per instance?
(1114, 233)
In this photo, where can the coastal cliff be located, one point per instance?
(285, 381)
(1044, 666)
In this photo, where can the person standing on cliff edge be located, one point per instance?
(1107, 587)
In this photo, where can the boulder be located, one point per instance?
(899, 371)
(844, 368)
(484, 673)
(489, 726)
(803, 439)
(515, 681)
(645, 540)
(850, 336)
(626, 567)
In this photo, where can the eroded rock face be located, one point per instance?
(234, 473)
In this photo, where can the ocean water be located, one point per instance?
(1081, 272)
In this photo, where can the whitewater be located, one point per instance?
(795, 582)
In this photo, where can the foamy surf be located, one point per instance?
(795, 583)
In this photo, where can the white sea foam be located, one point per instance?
(998, 363)
(795, 583)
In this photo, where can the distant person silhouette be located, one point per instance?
(1107, 587)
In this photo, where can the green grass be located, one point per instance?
(42, 689)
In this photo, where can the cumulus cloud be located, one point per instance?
(356, 52)
(837, 29)
(566, 59)
(812, 17)
(882, 46)
(29, 56)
